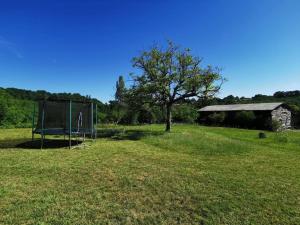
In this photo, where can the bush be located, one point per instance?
(145, 116)
(3, 111)
(262, 135)
(184, 113)
(296, 119)
(275, 125)
(245, 119)
(216, 118)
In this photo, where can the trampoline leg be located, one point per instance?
(42, 141)
(32, 138)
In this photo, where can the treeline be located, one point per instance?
(16, 106)
(14, 112)
(41, 94)
(292, 98)
(127, 109)
(130, 108)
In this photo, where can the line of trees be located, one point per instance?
(16, 105)
(16, 109)
(170, 85)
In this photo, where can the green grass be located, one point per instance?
(140, 175)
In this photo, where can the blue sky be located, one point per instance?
(83, 46)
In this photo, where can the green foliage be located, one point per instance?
(14, 112)
(16, 105)
(120, 90)
(282, 94)
(245, 119)
(116, 112)
(134, 107)
(118, 109)
(170, 75)
(275, 125)
(41, 95)
(146, 116)
(3, 110)
(262, 135)
(281, 137)
(216, 118)
(102, 117)
(184, 113)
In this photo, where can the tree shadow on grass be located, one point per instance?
(36, 144)
(113, 134)
(121, 134)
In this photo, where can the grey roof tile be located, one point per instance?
(242, 107)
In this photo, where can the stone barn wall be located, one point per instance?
(283, 116)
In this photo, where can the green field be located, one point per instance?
(140, 175)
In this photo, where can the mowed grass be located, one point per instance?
(140, 175)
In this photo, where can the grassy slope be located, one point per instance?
(142, 176)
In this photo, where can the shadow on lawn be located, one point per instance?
(122, 134)
(36, 144)
(114, 134)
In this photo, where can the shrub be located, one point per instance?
(216, 118)
(184, 113)
(245, 119)
(145, 116)
(262, 135)
(275, 125)
(3, 111)
(296, 119)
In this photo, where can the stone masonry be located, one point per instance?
(283, 116)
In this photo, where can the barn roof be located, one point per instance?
(242, 107)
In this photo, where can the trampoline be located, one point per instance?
(68, 118)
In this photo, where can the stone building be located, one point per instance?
(283, 115)
(274, 111)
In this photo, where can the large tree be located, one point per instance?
(172, 74)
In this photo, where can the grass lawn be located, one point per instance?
(139, 175)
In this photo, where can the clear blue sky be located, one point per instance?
(82, 46)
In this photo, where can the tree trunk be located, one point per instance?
(169, 118)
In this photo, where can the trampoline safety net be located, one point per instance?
(54, 117)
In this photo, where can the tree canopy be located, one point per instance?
(172, 74)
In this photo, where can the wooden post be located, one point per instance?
(70, 125)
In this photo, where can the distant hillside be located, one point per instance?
(16, 105)
(41, 94)
(292, 98)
